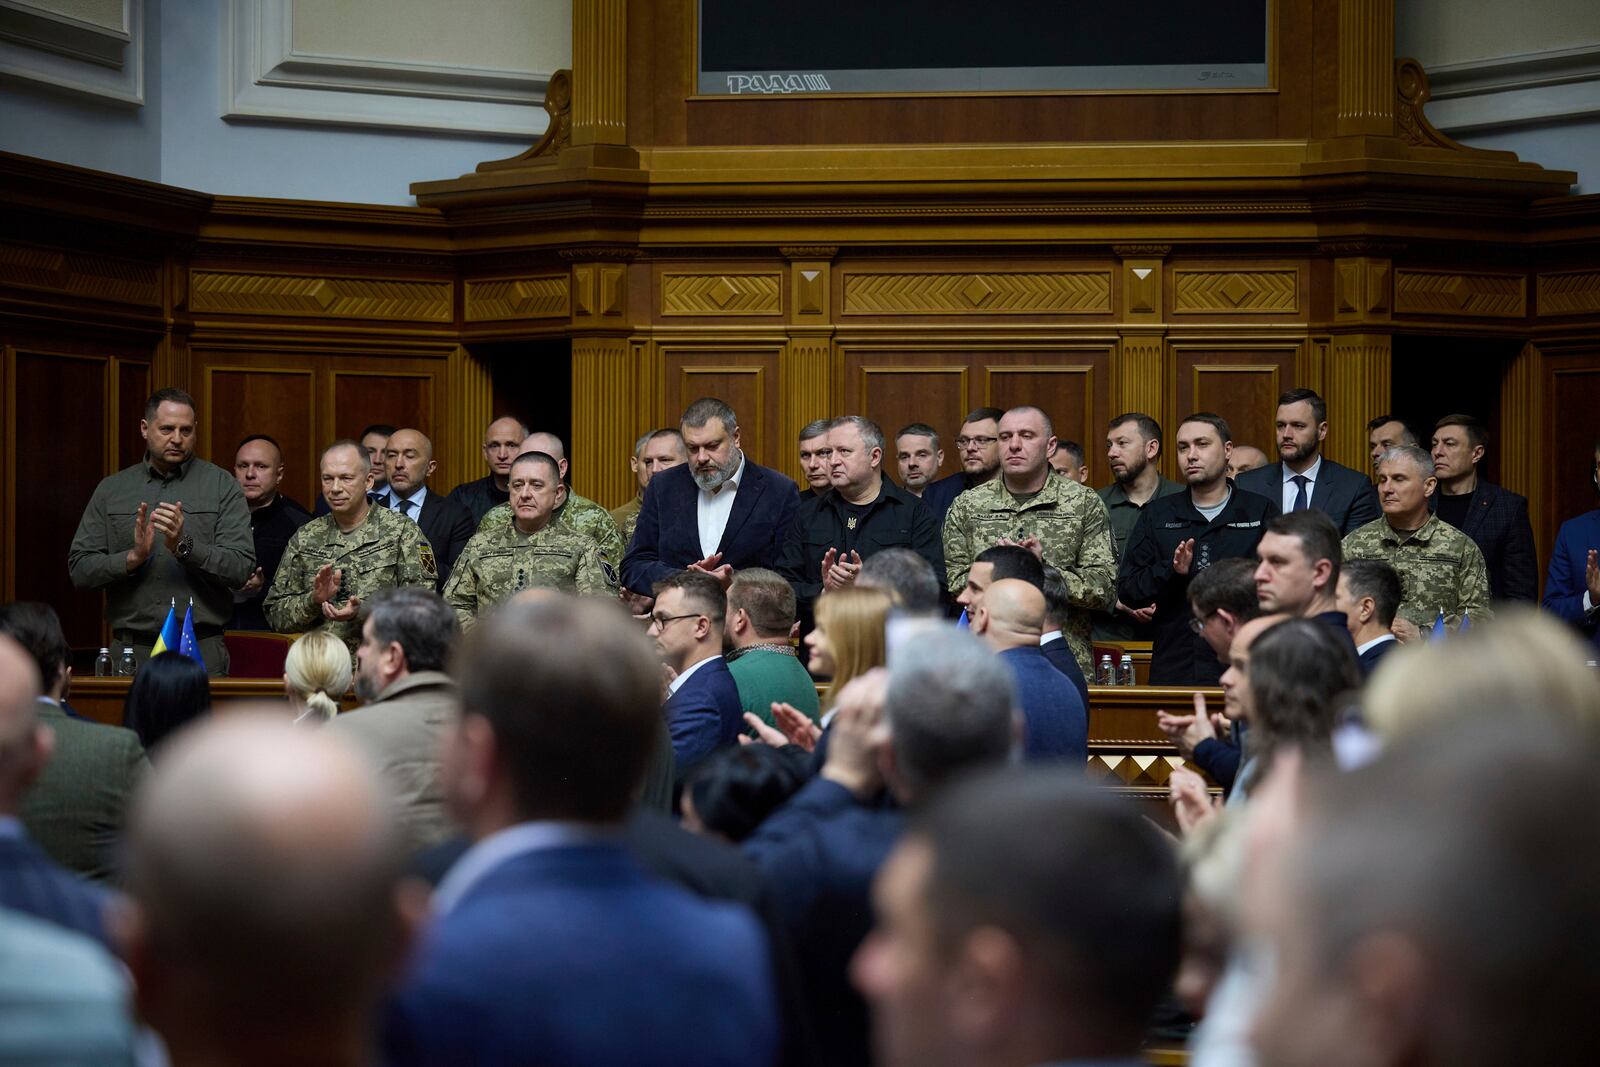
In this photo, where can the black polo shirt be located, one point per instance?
(894, 519)
(271, 526)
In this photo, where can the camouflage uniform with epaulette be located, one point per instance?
(1074, 532)
(1439, 567)
(578, 514)
(627, 517)
(497, 564)
(386, 551)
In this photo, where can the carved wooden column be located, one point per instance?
(470, 410)
(606, 415)
(1359, 376)
(1366, 68)
(1141, 377)
(1522, 429)
(807, 385)
(599, 72)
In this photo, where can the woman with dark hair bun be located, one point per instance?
(730, 793)
(167, 693)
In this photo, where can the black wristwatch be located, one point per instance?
(185, 546)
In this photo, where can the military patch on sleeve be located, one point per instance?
(610, 572)
(425, 551)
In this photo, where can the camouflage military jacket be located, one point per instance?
(386, 551)
(1073, 529)
(496, 564)
(1439, 566)
(627, 517)
(578, 514)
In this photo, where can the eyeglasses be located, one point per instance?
(660, 621)
(1198, 626)
(981, 442)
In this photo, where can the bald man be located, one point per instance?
(1245, 458)
(1010, 619)
(579, 514)
(264, 920)
(502, 443)
(408, 461)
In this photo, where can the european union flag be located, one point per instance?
(1466, 624)
(167, 639)
(1439, 630)
(188, 644)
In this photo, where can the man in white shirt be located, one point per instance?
(1369, 595)
(1304, 478)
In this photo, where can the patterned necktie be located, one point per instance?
(1302, 499)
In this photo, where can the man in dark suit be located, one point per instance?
(1051, 642)
(864, 514)
(29, 881)
(408, 458)
(258, 468)
(1055, 721)
(1572, 586)
(978, 449)
(1304, 477)
(702, 705)
(948, 705)
(717, 513)
(550, 943)
(1369, 596)
(1297, 569)
(1496, 519)
(75, 807)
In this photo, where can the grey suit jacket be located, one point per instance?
(76, 808)
(402, 733)
(1346, 496)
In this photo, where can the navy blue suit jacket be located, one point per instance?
(1373, 656)
(819, 853)
(704, 715)
(1055, 719)
(448, 527)
(1059, 653)
(1346, 496)
(1497, 522)
(31, 882)
(1565, 583)
(572, 957)
(666, 537)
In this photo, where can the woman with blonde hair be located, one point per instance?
(316, 674)
(848, 638)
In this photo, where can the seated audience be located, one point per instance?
(80, 1015)
(943, 710)
(701, 702)
(1023, 919)
(169, 692)
(550, 944)
(910, 581)
(730, 794)
(316, 675)
(408, 704)
(1437, 907)
(74, 811)
(1055, 724)
(765, 666)
(263, 920)
(29, 881)
(1369, 594)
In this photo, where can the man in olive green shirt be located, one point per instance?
(336, 561)
(1133, 448)
(167, 530)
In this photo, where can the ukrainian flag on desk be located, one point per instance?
(167, 640)
(180, 640)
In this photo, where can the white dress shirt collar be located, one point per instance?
(1290, 490)
(677, 683)
(712, 511)
(420, 497)
(1048, 636)
(1361, 649)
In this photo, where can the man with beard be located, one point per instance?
(978, 448)
(1178, 536)
(408, 705)
(919, 456)
(717, 513)
(1133, 448)
(1304, 477)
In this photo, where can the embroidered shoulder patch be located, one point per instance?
(425, 553)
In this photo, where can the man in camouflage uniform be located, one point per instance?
(578, 514)
(655, 451)
(1440, 567)
(532, 550)
(1061, 521)
(336, 561)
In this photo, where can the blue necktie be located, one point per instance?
(404, 507)
(1302, 499)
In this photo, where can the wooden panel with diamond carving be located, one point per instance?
(356, 298)
(89, 274)
(721, 294)
(1424, 292)
(1574, 292)
(979, 293)
(541, 297)
(1245, 292)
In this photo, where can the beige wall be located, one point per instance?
(518, 35)
(1443, 32)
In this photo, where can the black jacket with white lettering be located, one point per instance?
(1180, 656)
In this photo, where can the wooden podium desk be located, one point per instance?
(101, 699)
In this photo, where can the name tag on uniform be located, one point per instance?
(1245, 525)
(1174, 525)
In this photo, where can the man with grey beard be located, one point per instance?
(718, 513)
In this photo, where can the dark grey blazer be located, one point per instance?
(74, 812)
(1346, 496)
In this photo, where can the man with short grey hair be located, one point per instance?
(577, 513)
(1440, 568)
(408, 704)
(946, 708)
(814, 456)
(652, 453)
(717, 513)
